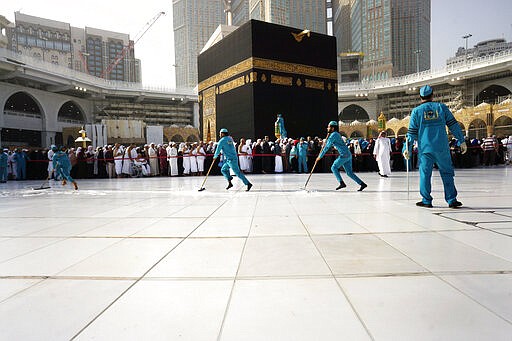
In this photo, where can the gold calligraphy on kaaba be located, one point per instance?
(267, 65)
(293, 68)
(281, 80)
(313, 84)
(209, 111)
(232, 84)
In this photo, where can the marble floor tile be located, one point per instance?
(56, 309)
(438, 253)
(290, 309)
(362, 255)
(493, 291)
(208, 257)
(164, 310)
(281, 256)
(421, 308)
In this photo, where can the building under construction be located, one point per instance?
(100, 53)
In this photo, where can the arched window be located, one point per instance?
(477, 129)
(492, 94)
(24, 104)
(402, 131)
(356, 134)
(70, 112)
(503, 126)
(390, 133)
(353, 112)
(177, 138)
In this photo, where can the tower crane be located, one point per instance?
(130, 45)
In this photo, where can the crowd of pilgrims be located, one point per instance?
(262, 156)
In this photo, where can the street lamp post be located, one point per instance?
(466, 37)
(417, 52)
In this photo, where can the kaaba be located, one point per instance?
(261, 70)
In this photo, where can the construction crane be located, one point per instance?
(130, 45)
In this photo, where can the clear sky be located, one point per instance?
(451, 19)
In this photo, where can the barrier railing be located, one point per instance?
(239, 154)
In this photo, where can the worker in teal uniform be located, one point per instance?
(226, 145)
(4, 158)
(62, 166)
(302, 153)
(344, 159)
(428, 126)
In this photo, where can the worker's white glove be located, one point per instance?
(406, 154)
(463, 148)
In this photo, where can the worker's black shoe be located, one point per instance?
(422, 204)
(455, 204)
(229, 185)
(342, 185)
(249, 186)
(363, 186)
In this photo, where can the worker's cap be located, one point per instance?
(223, 130)
(302, 138)
(6, 149)
(333, 124)
(425, 91)
(54, 148)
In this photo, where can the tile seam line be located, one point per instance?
(221, 329)
(273, 277)
(241, 236)
(359, 317)
(143, 275)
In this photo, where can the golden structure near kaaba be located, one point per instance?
(476, 122)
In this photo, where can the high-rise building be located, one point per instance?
(393, 35)
(410, 21)
(89, 50)
(240, 9)
(341, 25)
(304, 14)
(194, 21)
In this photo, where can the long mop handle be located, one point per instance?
(311, 173)
(407, 164)
(208, 173)
(316, 160)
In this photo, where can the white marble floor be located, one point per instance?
(154, 259)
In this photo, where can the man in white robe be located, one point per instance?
(201, 156)
(153, 159)
(172, 157)
(186, 158)
(193, 159)
(118, 159)
(382, 153)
